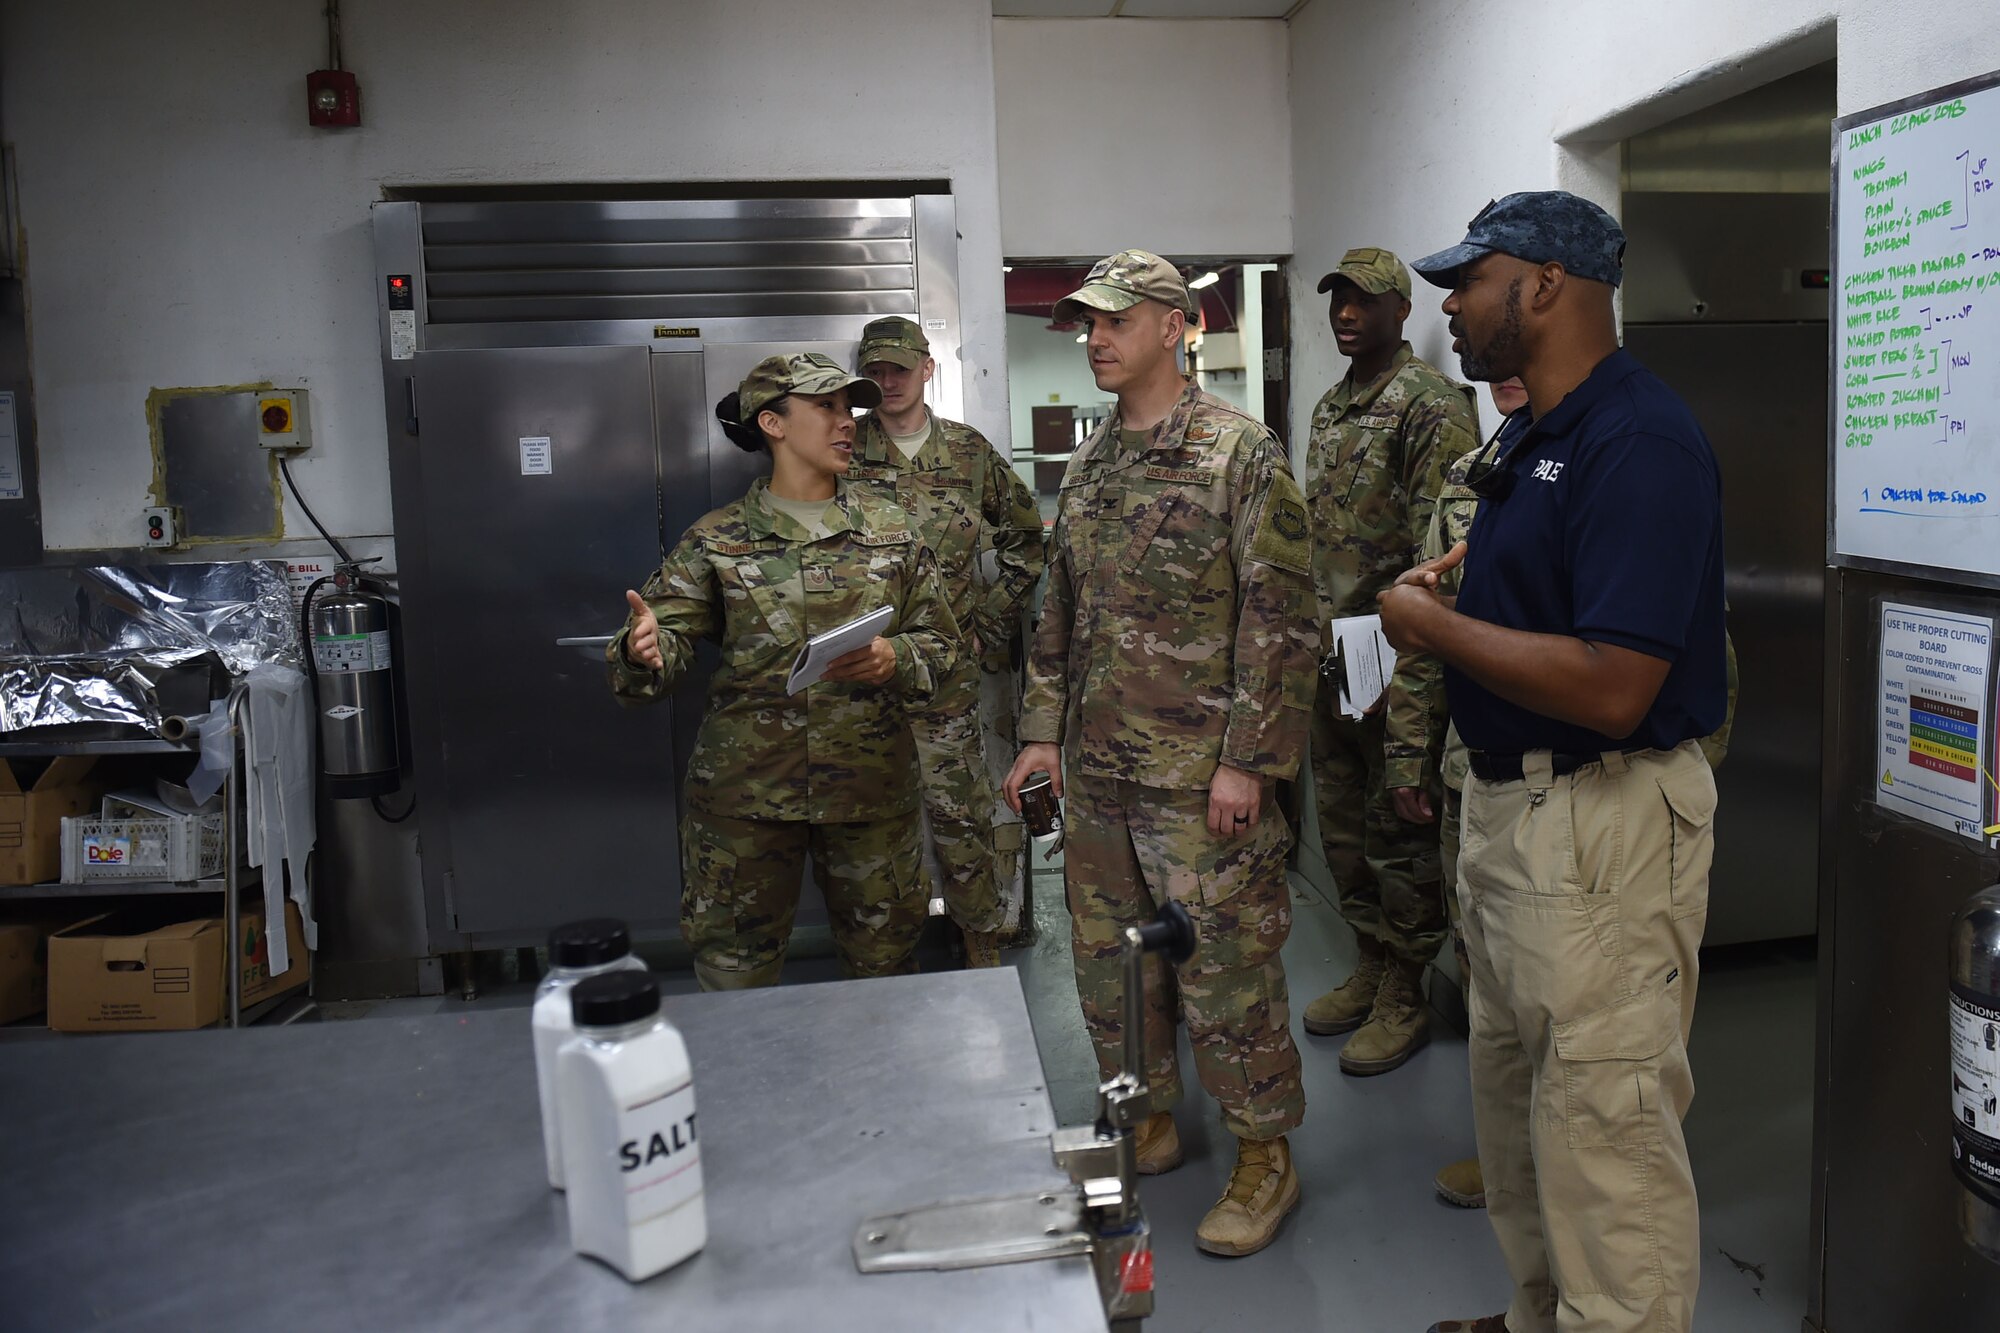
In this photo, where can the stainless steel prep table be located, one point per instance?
(380, 1173)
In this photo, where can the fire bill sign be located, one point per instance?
(1935, 710)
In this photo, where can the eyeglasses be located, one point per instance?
(1490, 480)
(1487, 477)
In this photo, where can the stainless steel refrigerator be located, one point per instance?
(549, 369)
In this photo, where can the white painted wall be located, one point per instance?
(1454, 103)
(1171, 135)
(185, 226)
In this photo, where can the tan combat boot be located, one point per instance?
(1159, 1145)
(1396, 1028)
(982, 948)
(729, 978)
(1346, 1006)
(1462, 1183)
(1262, 1189)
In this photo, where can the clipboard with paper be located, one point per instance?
(822, 649)
(1362, 662)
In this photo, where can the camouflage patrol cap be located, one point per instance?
(1372, 269)
(896, 340)
(1542, 227)
(1125, 279)
(802, 372)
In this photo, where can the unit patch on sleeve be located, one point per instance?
(1283, 538)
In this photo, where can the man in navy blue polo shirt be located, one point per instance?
(1583, 658)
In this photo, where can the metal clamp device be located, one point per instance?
(1098, 1214)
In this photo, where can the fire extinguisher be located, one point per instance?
(1974, 1004)
(352, 662)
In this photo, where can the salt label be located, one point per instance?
(658, 1155)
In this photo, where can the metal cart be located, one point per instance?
(230, 883)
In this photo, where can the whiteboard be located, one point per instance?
(1915, 325)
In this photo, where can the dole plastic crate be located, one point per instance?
(166, 847)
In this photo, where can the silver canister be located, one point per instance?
(357, 702)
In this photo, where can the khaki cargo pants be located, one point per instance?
(1127, 849)
(1451, 820)
(958, 798)
(740, 882)
(1583, 900)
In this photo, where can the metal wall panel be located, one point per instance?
(690, 448)
(678, 274)
(585, 260)
(1769, 434)
(936, 307)
(223, 485)
(21, 520)
(1885, 1202)
(555, 792)
(1767, 140)
(1710, 258)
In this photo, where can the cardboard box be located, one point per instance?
(138, 970)
(23, 978)
(24, 975)
(258, 983)
(31, 820)
(128, 971)
(24, 959)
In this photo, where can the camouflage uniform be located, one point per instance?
(1374, 466)
(1419, 679)
(965, 500)
(1176, 634)
(830, 770)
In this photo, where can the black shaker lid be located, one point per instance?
(614, 999)
(591, 943)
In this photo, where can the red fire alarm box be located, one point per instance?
(333, 98)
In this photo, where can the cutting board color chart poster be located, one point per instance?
(1936, 707)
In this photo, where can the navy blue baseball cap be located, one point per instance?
(1542, 227)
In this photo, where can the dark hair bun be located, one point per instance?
(747, 438)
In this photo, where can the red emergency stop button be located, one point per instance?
(277, 418)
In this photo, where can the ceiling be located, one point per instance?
(1146, 9)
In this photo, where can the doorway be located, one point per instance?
(1725, 212)
(1055, 403)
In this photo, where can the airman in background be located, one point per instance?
(966, 502)
(1382, 440)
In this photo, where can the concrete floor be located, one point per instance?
(1372, 1249)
